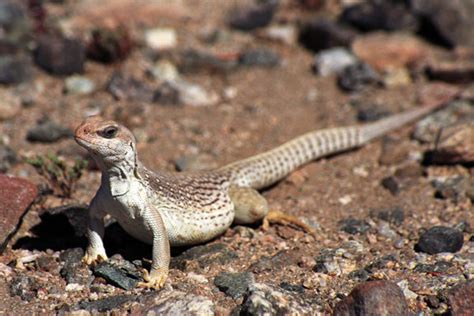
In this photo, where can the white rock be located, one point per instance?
(333, 60)
(164, 70)
(161, 38)
(193, 94)
(283, 33)
(74, 287)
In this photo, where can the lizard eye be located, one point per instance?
(109, 132)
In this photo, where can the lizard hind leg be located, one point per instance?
(249, 205)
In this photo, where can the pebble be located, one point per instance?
(196, 61)
(8, 157)
(176, 303)
(461, 298)
(385, 230)
(394, 184)
(59, 55)
(106, 304)
(356, 77)
(14, 69)
(448, 22)
(164, 70)
(161, 39)
(389, 51)
(373, 298)
(439, 239)
(123, 87)
(259, 57)
(115, 275)
(109, 45)
(47, 131)
(398, 77)
(13, 22)
(393, 215)
(380, 15)
(79, 85)
(455, 145)
(322, 33)
(454, 188)
(286, 33)
(73, 270)
(203, 256)
(370, 112)
(24, 286)
(248, 18)
(234, 285)
(193, 94)
(409, 294)
(16, 196)
(333, 61)
(10, 105)
(353, 226)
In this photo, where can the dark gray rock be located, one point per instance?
(393, 215)
(373, 298)
(357, 77)
(48, 131)
(25, 287)
(323, 34)
(14, 69)
(353, 226)
(380, 15)
(260, 57)
(107, 304)
(446, 22)
(116, 275)
(60, 56)
(440, 239)
(73, 270)
(194, 61)
(7, 158)
(440, 267)
(234, 285)
(292, 287)
(252, 17)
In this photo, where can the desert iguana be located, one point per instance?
(174, 209)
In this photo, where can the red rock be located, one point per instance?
(461, 299)
(16, 195)
(386, 52)
(373, 298)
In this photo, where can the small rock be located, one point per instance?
(439, 239)
(389, 51)
(234, 284)
(385, 230)
(166, 94)
(10, 105)
(160, 39)
(409, 294)
(73, 270)
(203, 256)
(252, 17)
(193, 94)
(353, 226)
(14, 23)
(260, 57)
(60, 56)
(398, 77)
(380, 15)
(333, 61)
(370, 112)
(109, 45)
(79, 85)
(7, 158)
(123, 87)
(164, 70)
(16, 195)
(447, 22)
(265, 300)
(283, 33)
(108, 303)
(115, 275)
(395, 184)
(323, 34)
(440, 267)
(292, 287)
(176, 303)
(455, 144)
(373, 298)
(454, 188)
(24, 286)
(357, 77)
(14, 69)
(461, 299)
(194, 61)
(394, 215)
(47, 263)
(47, 131)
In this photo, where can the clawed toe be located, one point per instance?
(154, 280)
(94, 258)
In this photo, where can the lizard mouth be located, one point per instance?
(81, 141)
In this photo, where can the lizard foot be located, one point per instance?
(93, 257)
(285, 219)
(154, 280)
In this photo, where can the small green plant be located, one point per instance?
(60, 176)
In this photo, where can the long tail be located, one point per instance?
(264, 169)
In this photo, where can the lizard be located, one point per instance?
(184, 208)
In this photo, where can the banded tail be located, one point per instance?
(265, 169)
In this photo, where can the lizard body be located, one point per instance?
(174, 209)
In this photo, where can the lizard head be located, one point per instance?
(107, 141)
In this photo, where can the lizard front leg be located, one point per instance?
(158, 274)
(95, 250)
